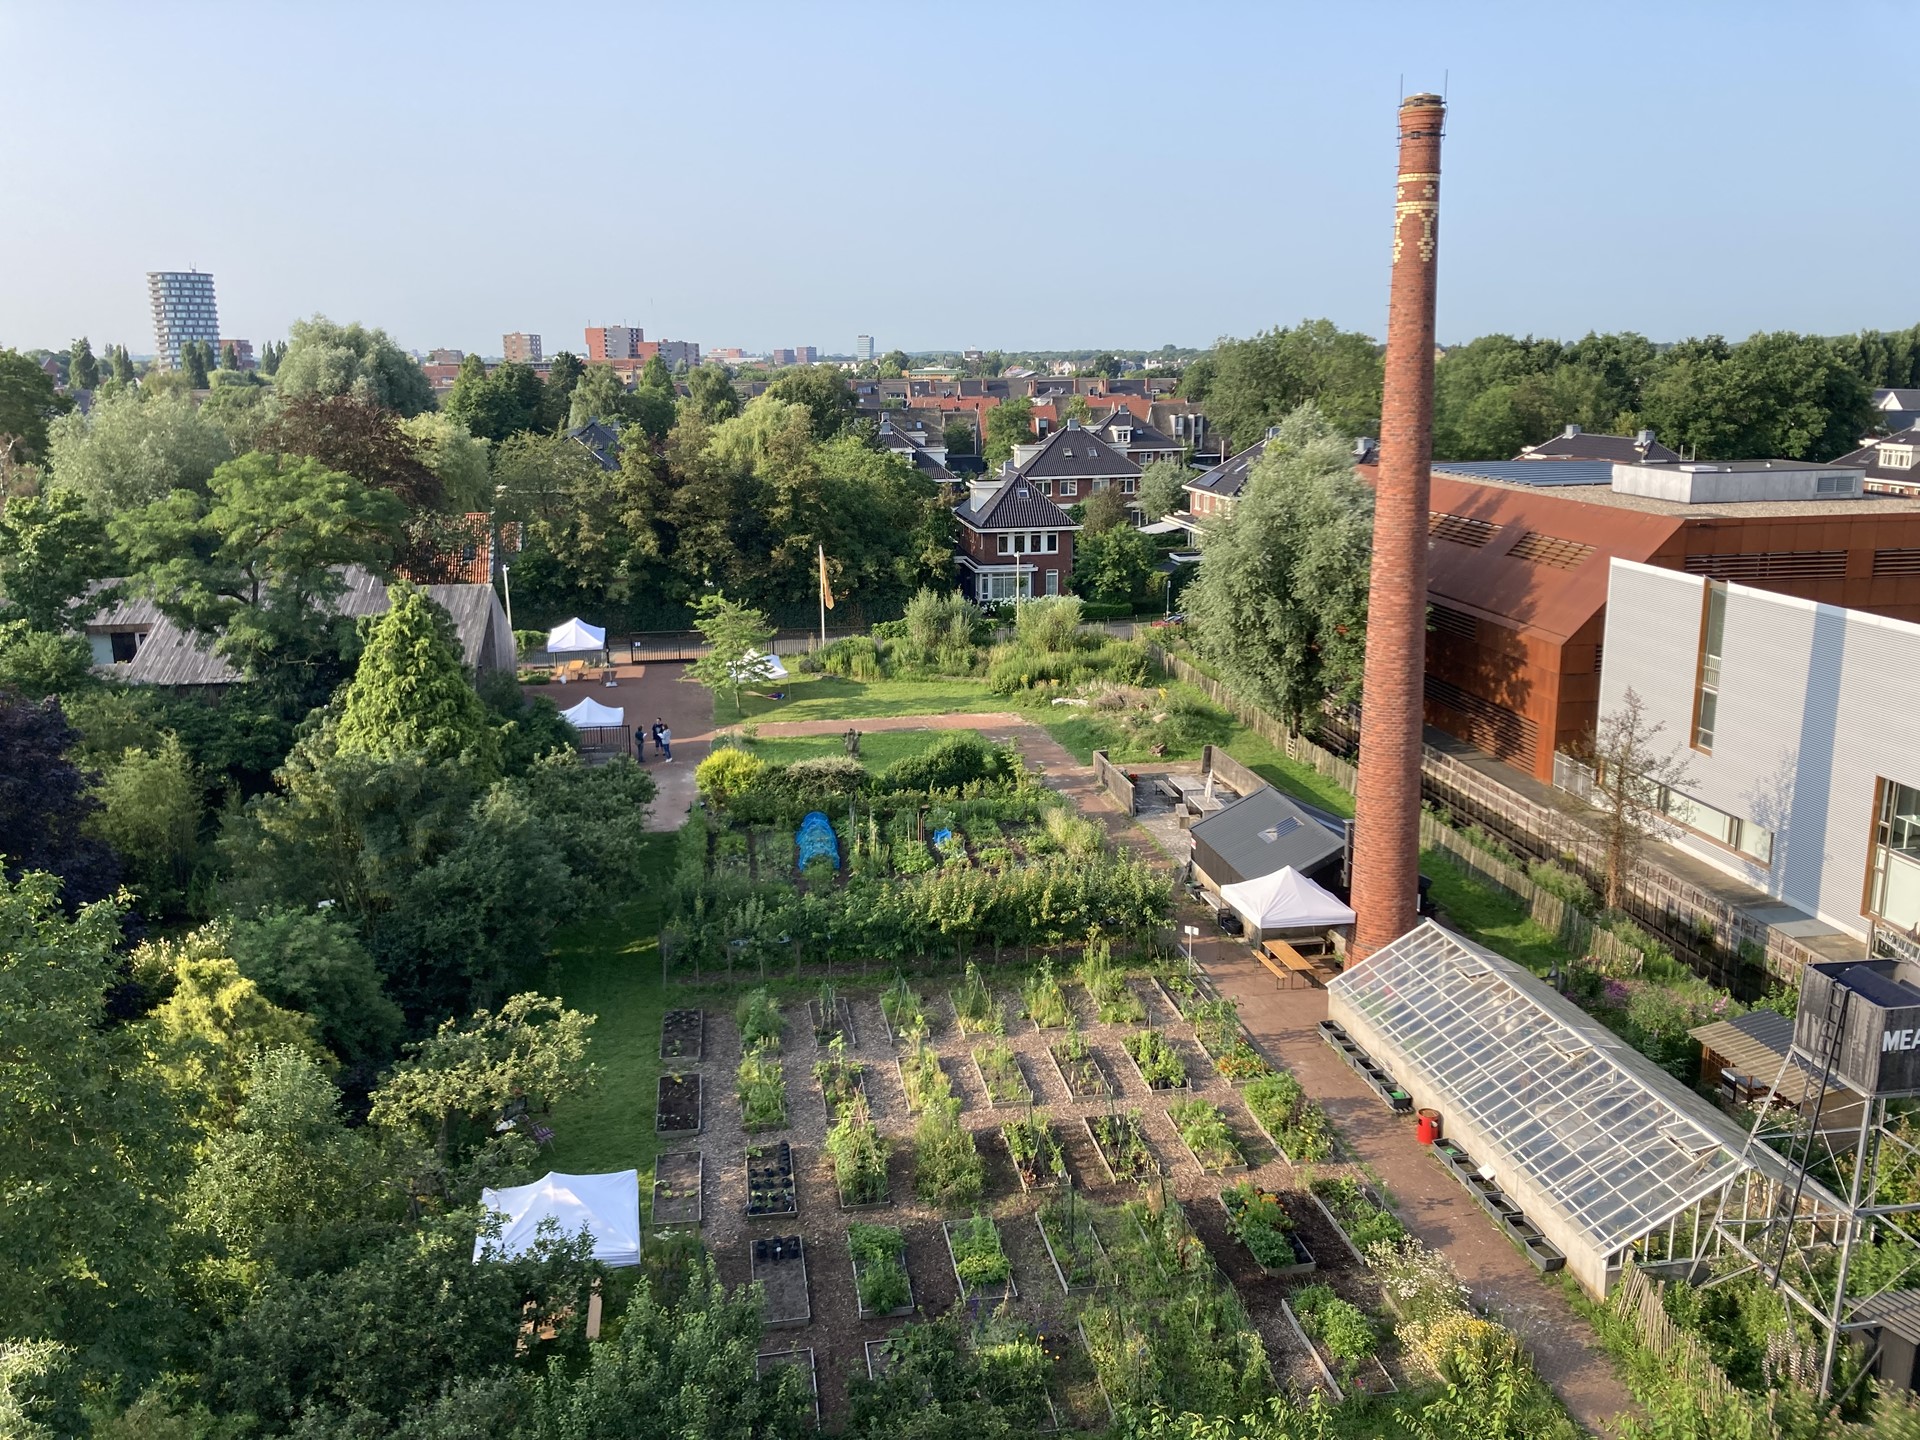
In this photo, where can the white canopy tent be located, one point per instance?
(590, 714)
(606, 1206)
(575, 636)
(757, 666)
(1286, 900)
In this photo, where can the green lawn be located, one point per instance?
(832, 697)
(610, 967)
(1502, 925)
(1288, 776)
(878, 748)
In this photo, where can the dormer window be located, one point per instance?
(1896, 457)
(1123, 436)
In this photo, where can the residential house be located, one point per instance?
(1073, 464)
(907, 435)
(1897, 409)
(600, 440)
(1137, 439)
(1211, 495)
(1015, 543)
(1891, 464)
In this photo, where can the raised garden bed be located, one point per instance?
(1358, 1214)
(1296, 1126)
(800, 1359)
(1216, 1025)
(1038, 1160)
(1343, 1338)
(677, 1178)
(880, 1271)
(974, 1248)
(879, 1356)
(859, 1157)
(827, 1027)
(1073, 1244)
(1044, 1001)
(1079, 1068)
(780, 1268)
(1207, 1136)
(1000, 1075)
(771, 1191)
(903, 1011)
(936, 1083)
(762, 1085)
(975, 1010)
(1157, 1061)
(1123, 1146)
(841, 1081)
(677, 1105)
(1257, 1219)
(683, 1035)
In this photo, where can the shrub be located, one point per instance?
(1048, 625)
(856, 657)
(949, 763)
(1557, 880)
(727, 772)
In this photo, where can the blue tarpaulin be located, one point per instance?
(815, 837)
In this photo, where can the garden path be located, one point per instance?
(1283, 1023)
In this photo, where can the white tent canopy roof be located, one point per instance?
(756, 666)
(590, 714)
(1286, 900)
(606, 1206)
(576, 634)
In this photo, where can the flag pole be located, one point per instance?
(823, 595)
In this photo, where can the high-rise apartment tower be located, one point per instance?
(520, 348)
(1386, 822)
(183, 310)
(863, 348)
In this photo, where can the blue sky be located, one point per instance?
(1014, 175)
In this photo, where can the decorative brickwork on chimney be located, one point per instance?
(1386, 858)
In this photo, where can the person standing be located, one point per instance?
(666, 743)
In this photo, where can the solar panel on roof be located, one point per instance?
(1538, 473)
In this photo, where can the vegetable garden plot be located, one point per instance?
(842, 1080)
(1260, 1222)
(800, 1359)
(1216, 1025)
(1079, 1067)
(1343, 1338)
(1156, 1060)
(831, 1017)
(1038, 1159)
(1207, 1136)
(762, 1085)
(1044, 1001)
(1296, 1126)
(779, 1266)
(1357, 1213)
(677, 1180)
(771, 1191)
(923, 1075)
(1000, 1075)
(877, 1358)
(683, 1035)
(1066, 1224)
(980, 1263)
(677, 1105)
(1123, 1146)
(882, 1287)
(903, 1012)
(975, 1009)
(859, 1154)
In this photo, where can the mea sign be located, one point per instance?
(1894, 1040)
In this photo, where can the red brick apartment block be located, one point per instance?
(1386, 861)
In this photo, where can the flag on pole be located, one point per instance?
(826, 590)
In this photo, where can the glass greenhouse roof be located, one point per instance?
(1570, 1105)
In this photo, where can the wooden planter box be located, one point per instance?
(878, 1357)
(843, 1018)
(768, 1162)
(678, 1172)
(789, 1301)
(1059, 1271)
(1107, 1164)
(859, 1070)
(980, 1073)
(901, 1071)
(960, 1025)
(1370, 1376)
(898, 1310)
(1186, 1089)
(801, 1359)
(683, 1036)
(1239, 1169)
(1009, 1291)
(1113, 1417)
(1303, 1261)
(1313, 1352)
(1338, 1228)
(681, 1084)
(1042, 1181)
(1093, 1058)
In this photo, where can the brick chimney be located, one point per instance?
(1386, 859)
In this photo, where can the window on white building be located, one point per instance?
(1893, 879)
(1706, 697)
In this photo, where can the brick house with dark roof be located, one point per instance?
(1573, 443)
(1072, 464)
(1211, 496)
(1139, 440)
(1015, 543)
(1891, 463)
(909, 436)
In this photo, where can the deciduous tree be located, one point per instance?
(52, 549)
(1633, 771)
(83, 370)
(1254, 383)
(711, 395)
(825, 393)
(311, 961)
(323, 358)
(1009, 423)
(358, 438)
(134, 448)
(46, 802)
(152, 803)
(732, 631)
(1163, 488)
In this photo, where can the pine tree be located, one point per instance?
(229, 356)
(410, 694)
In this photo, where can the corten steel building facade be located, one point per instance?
(1387, 798)
(1517, 580)
(183, 311)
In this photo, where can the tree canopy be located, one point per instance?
(409, 694)
(324, 358)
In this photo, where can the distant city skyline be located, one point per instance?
(1645, 167)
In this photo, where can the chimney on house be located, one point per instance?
(1567, 432)
(1386, 842)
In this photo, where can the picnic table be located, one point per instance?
(1167, 789)
(1285, 963)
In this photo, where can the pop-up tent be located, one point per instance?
(1286, 900)
(574, 636)
(756, 666)
(590, 714)
(607, 1207)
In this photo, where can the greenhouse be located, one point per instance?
(1575, 1138)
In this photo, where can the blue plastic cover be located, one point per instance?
(941, 837)
(815, 837)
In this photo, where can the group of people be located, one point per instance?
(662, 740)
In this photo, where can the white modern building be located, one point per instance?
(1800, 727)
(183, 311)
(863, 349)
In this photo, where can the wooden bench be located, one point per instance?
(1285, 963)
(1167, 790)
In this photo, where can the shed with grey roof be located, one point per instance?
(1261, 833)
